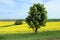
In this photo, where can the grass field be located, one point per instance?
(8, 31)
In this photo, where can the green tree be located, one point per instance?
(37, 16)
(18, 22)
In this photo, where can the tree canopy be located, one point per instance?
(37, 16)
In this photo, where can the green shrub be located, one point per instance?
(18, 22)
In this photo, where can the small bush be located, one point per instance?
(18, 22)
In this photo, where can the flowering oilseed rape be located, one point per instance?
(24, 28)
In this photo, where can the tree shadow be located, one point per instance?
(7, 25)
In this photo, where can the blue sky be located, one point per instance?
(18, 9)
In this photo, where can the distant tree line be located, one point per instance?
(49, 20)
(11, 19)
(53, 20)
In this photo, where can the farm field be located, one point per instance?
(8, 31)
(9, 28)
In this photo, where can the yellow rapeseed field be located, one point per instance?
(24, 28)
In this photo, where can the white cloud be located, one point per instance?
(53, 8)
(34, 1)
(22, 0)
(7, 2)
(6, 6)
(19, 10)
(31, 1)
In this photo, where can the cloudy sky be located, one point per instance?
(15, 9)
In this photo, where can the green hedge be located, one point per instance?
(18, 22)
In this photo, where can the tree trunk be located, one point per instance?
(36, 30)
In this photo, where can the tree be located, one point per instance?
(37, 16)
(18, 22)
